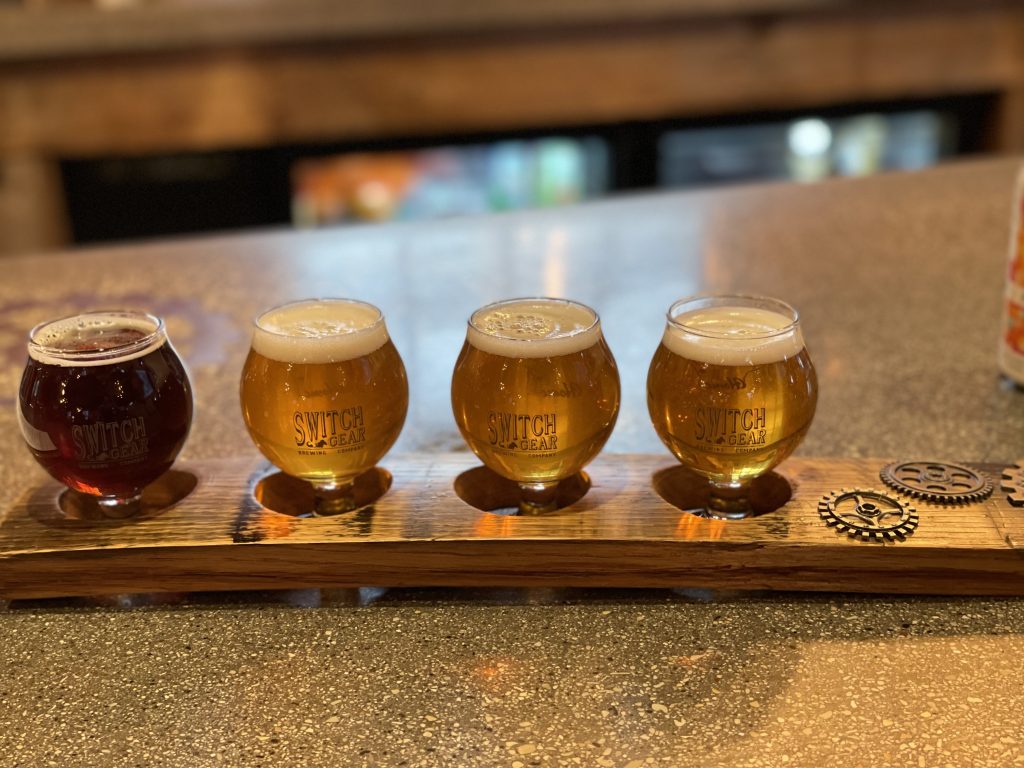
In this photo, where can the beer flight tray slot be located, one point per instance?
(213, 526)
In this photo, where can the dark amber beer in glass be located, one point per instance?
(324, 393)
(535, 390)
(105, 404)
(731, 391)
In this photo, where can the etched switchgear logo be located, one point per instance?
(105, 441)
(320, 432)
(723, 430)
(731, 427)
(523, 433)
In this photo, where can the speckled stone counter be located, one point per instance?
(898, 279)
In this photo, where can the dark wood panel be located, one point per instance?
(239, 97)
(60, 29)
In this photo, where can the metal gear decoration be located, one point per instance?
(937, 481)
(868, 515)
(1012, 484)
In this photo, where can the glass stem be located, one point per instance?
(538, 498)
(333, 498)
(729, 501)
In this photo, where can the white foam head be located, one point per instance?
(534, 328)
(319, 331)
(734, 334)
(96, 338)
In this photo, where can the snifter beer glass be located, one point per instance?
(535, 393)
(324, 394)
(731, 391)
(105, 404)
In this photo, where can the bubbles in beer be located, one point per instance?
(72, 341)
(733, 335)
(102, 340)
(319, 331)
(535, 391)
(534, 328)
(323, 391)
(105, 403)
(731, 389)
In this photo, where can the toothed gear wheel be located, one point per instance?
(868, 515)
(1013, 484)
(937, 481)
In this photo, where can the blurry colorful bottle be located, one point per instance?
(1011, 344)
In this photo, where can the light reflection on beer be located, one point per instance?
(535, 393)
(324, 393)
(731, 391)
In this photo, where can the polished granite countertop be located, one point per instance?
(899, 281)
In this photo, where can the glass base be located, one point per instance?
(538, 498)
(120, 507)
(729, 502)
(333, 498)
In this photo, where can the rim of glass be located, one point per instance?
(704, 300)
(60, 353)
(378, 321)
(546, 299)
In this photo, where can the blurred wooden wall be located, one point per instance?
(163, 76)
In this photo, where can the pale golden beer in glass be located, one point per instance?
(535, 392)
(324, 393)
(731, 391)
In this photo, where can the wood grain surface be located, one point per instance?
(629, 529)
